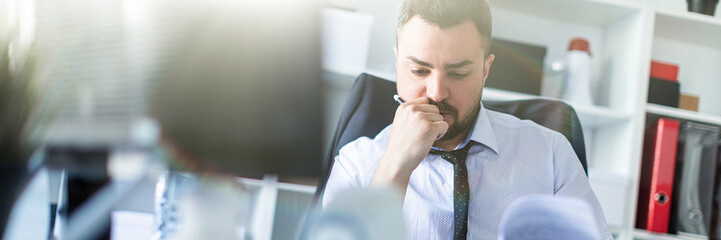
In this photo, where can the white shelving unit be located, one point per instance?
(590, 116)
(624, 37)
(671, 112)
(686, 27)
(645, 235)
(693, 41)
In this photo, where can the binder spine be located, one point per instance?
(657, 176)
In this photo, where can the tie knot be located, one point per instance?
(457, 156)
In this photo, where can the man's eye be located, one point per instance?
(457, 75)
(420, 72)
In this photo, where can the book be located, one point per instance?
(664, 71)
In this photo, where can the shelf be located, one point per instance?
(646, 235)
(297, 188)
(590, 116)
(689, 27)
(592, 12)
(345, 79)
(641, 234)
(683, 114)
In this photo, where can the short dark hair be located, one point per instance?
(449, 13)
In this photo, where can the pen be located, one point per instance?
(398, 99)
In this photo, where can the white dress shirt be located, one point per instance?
(514, 158)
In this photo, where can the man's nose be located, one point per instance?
(436, 88)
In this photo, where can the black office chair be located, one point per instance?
(370, 108)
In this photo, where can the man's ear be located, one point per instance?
(395, 50)
(487, 66)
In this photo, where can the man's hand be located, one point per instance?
(417, 124)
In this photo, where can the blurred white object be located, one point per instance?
(128, 165)
(144, 132)
(611, 192)
(127, 225)
(346, 36)
(577, 72)
(360, 214)
(30, 216)
(545, 217)
(215, 208)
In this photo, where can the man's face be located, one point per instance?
(448, 66)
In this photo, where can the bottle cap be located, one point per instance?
(580, 44)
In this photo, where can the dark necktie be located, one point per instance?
(460, 189)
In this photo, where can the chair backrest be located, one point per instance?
(370, 108)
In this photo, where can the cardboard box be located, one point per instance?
(688, 102)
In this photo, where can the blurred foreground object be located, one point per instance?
(360, 214)
(543, 217)
(234, 86)
(30, 217)
(245, 98)
(16, 100)
(217, 209)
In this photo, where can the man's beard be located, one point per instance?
(461, 125)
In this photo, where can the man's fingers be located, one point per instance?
(420, 109)
(422, 100)
(429, 108)
(421, 105)
(441, 128)
(433, 117)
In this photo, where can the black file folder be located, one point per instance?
(716, 214)
(694, 181)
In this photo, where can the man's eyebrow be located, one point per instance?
(448, 66)
(419, 62)
(458, 65)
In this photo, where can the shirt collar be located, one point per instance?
(481, 132)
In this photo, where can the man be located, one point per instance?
(442, 61)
